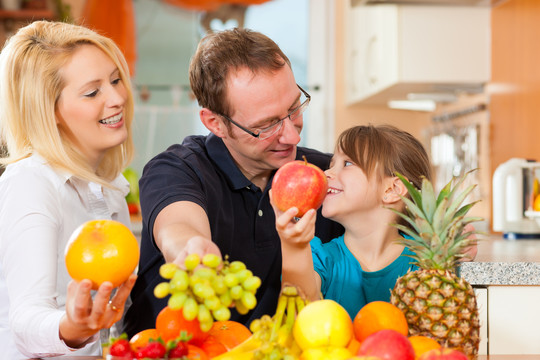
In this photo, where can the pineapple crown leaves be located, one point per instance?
(437, 222)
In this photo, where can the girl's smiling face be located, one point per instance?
(349, 189)
(90, 109)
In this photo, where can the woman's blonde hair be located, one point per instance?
(30, 86)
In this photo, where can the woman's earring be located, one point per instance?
(384, 198)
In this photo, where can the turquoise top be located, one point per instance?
(344, 281)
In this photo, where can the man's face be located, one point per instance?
(257, 102)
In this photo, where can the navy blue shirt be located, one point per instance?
(241, 218)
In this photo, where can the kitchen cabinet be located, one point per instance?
(514, 317)
(393, 49)
(515, 86)
(482, 303)
(506, 278)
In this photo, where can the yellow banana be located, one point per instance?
(284, 336)
(249, 345)
(272, 335)
(248, 355)
(280, 312)
(300, 303)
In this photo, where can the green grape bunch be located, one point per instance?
(207, 289)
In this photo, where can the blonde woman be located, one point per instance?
(66, 111)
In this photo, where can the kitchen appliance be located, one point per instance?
(514, 186)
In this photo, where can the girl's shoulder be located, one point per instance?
(334, 248)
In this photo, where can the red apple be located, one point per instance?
(388, 345)
(299, 184)
(443, 354)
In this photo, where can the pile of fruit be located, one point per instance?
(318, 330)
(195, 324)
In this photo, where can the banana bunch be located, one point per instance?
(272, 337)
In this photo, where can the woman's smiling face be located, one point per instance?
(90, 109)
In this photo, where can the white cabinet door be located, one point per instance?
(372, 50)
(514, 320)
(391, 46)
(482, 303)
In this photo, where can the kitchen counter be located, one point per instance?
(506, 278)
(504, 262)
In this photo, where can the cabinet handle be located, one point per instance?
(370, 66)
(354, 72)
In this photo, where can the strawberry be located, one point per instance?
(179, 350)
(154, 350)
(120, 348)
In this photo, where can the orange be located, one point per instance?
(323, 323)
(212, 347)
(422, 344)
(102, 250)
(379, 315)
(196, 353)
(230, 333)
(170, 323)
(141, 339)
(354, 345)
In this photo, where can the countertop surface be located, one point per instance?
(504, 262)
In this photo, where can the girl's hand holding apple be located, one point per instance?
(292, 230)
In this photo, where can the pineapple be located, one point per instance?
(436, 302)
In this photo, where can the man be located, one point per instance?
(210, 194)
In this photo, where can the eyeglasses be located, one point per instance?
(267, 132)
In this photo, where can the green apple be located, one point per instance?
(133, 178)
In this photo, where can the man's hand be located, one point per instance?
(197, 245)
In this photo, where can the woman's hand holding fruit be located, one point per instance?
(84, 317)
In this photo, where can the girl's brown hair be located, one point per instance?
(385, 150)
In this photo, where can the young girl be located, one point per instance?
(363, 264)
(66, 110)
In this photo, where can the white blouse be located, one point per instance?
(39, 209)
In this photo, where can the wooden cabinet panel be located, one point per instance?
(515, 86)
